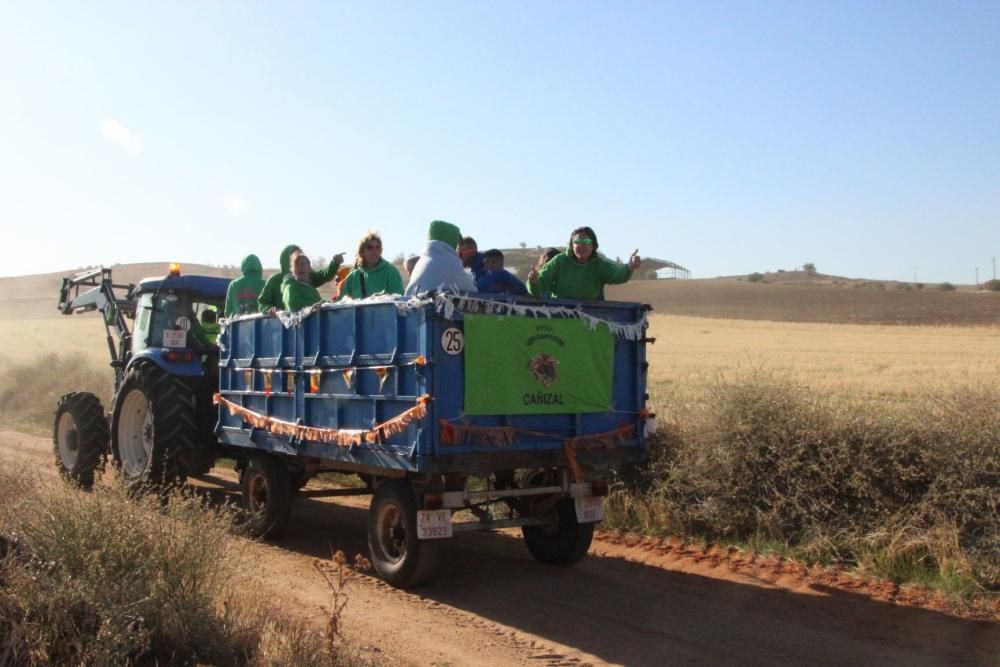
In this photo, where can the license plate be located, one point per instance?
(589, 509)
(433, 524)
(174, 338)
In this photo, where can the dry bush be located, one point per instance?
(32, 389)
(101, 579)
(901, 489)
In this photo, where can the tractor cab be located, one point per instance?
(170, 322)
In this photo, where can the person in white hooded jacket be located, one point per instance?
(439, 266)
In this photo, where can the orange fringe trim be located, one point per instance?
(456, 434)
(339, 437)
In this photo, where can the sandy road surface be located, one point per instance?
(630, 602)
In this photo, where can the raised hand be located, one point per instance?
(533, 276)
(633, 260)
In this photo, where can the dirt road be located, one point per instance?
(630, 602)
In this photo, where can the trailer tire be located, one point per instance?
(397, 555)
(154, 429)
(565, 543)
(80, 437)
(266, 496)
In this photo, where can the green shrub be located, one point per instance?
(102, 579)
(756, 277)
(901, 491)
(946, 287)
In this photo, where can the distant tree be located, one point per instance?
(809, 268)
(946, 287)
(756, 277)
(992, 285)
(523, 245)
(918, 285)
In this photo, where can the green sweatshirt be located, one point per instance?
(296, 295)
(241, 297)
(270, 296)
(383, 277)
(564, 278)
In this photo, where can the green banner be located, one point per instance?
(529, 365)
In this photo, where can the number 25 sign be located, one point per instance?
(452, 341)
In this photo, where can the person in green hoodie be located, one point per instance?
(580, 273)
(297, 291)
(241, 296)
(371, 274)
(270, 296)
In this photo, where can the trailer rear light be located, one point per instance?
(433, 501)
(599, 488)
(178, 357)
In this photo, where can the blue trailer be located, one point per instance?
(460, 412)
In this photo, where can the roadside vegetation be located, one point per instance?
(905, 490)
(102, 579)
(31, 389)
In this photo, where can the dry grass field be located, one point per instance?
(868, 361)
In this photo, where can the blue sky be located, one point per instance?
(729, 137)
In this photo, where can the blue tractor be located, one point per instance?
(165, 361)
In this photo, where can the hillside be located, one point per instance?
(786, 296)
(825, 299)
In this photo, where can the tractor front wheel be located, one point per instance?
(80, 437)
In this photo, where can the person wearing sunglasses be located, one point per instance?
(371, 274)
(580, 273)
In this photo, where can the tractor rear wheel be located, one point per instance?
(80, 437)
(154, 429)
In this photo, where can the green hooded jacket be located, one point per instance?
(296, 295)
(565, 278)
(383, 277)
(241, 297)
(270, 296)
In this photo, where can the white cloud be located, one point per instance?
(121, 135)
(236, 204)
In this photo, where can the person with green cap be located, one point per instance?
(439, 265)
(270, 296)
(580, 273)
(241, 296)
(372, 274)
(296, 290)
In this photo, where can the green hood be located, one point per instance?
(251, 266)
(286, 254)
(444, 231)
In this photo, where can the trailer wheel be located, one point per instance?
(154, 429)
(266, 495)
(80, 437)
(565, 542)
(398, 556)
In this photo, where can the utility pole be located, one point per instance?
(977, 277)
(994, 268)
